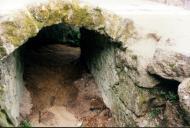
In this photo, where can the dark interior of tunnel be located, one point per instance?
(58, 82)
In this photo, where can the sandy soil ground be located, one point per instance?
(61, 90)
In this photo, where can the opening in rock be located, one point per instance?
(59, 89)
(168, 88)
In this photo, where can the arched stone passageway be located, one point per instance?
(59, 90)
(18, 29)
(136, 61)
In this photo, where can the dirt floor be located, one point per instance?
(60, 90)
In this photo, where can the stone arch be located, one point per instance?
(18, 26)
(121, 73)
(22, 24)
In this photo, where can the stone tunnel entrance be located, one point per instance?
(59, 89)
(139, 64)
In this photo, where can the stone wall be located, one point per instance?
(11, 87)
(131, 105)
(128, 48)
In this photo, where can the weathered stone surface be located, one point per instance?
(131, 47)
(3, 120)
(131, 105)
(170, 65)
(135, 67)
(26, 18)
(184, 96)
(11, 85)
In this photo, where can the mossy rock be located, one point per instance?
(18, 30)
(4, 121)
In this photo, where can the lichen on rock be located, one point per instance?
(17, 30)
(2, 52)
(125, 48)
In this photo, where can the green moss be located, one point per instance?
(40, 14)
(24, 26)
(172, 65)
(155, 112)
(82, 17)
(87, 17)
(2, 52)
(167, 95)
(172, 97)
(18, 30)
(59, 11)
(55, 16)
(10, 31)
(25, 124)
(143, 99)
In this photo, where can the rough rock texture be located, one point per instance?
(170, 65)
(131, 105)
(131, 37)
(184, 96)
(11, 86)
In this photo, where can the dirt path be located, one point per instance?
(62, 92)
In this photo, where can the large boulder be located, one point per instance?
(170, 64)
